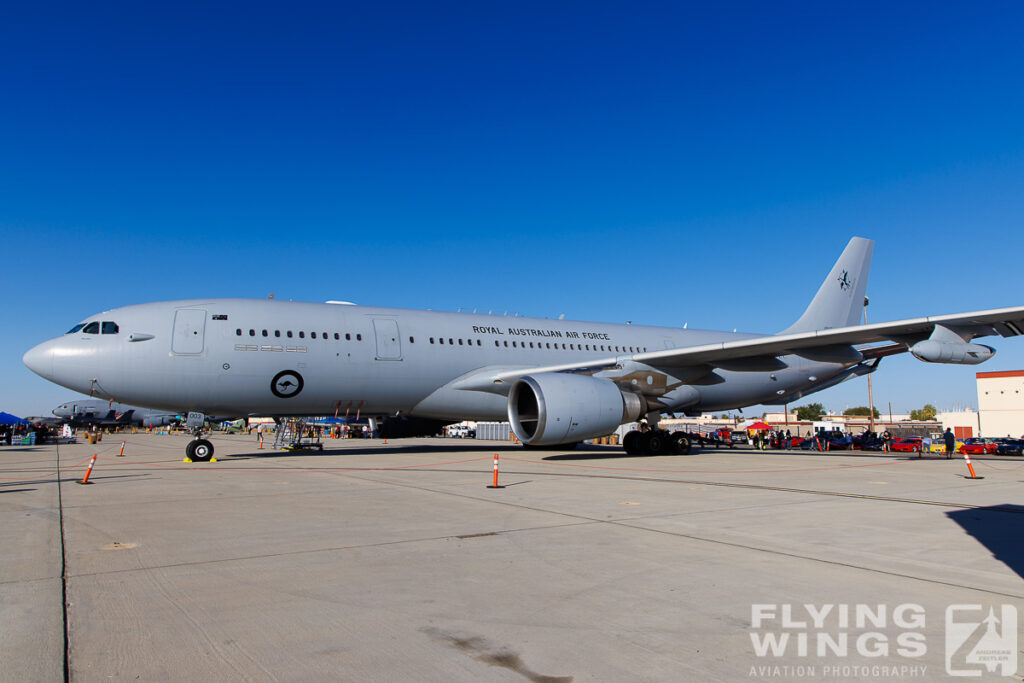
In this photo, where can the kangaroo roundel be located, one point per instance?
(286, 384)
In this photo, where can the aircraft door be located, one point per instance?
(389, 346)
(189, 330)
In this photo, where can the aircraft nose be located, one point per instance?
(39, 359)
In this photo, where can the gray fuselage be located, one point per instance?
(266, 357)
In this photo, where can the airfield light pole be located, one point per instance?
(871, 399)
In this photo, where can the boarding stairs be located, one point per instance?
(294, 434)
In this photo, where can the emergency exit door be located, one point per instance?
(189, 329)
(389, 346)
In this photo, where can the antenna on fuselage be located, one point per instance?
(271, 295)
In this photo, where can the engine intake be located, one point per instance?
(553, 408)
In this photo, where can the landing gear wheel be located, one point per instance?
(190, 448)
(630, 443)
(660, 443)
(682, 443)
(201, 450)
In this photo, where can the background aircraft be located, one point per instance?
(103, 413)
(556, 381)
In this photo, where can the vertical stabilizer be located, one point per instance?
(840, 299)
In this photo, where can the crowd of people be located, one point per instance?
(36, 433)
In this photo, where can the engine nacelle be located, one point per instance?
(962, 353)
(553, 408)
(158, 421)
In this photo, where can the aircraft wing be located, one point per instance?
(761, 353)
(1006, 322)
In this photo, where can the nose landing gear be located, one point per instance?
(198, 449)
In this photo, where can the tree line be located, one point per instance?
(814, 411)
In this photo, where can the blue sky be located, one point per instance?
(661, 163)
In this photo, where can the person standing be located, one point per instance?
(950, 442)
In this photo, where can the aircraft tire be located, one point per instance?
(190, 448)
(660, 443)
(202, 450)
(630, 443)
(682, 443)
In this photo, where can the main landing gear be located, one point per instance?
(656, 442)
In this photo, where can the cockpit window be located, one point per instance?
(76, 328)
(92, 328)
(110, 328)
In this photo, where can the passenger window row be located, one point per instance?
(451, 341)
(454, 342)
(540, 345)
(302, 334)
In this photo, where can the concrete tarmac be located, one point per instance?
(385, 562)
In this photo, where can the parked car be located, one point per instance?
(826, 441)
(867, 442)
(739, 437)
(1010, 447)
(909, 444)
(978, 446)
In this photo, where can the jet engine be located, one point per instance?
(554, 408)
(962, 353)
(159, 420)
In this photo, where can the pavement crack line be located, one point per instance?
(625, 523)
(358, 546)
(63, 572)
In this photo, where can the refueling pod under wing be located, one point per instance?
(957, 352)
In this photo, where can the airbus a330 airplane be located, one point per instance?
(557, 382)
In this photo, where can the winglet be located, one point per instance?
(840, 299)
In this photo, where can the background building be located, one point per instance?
(1001, 403)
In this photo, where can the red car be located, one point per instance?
(910, 444)
(978, 446)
